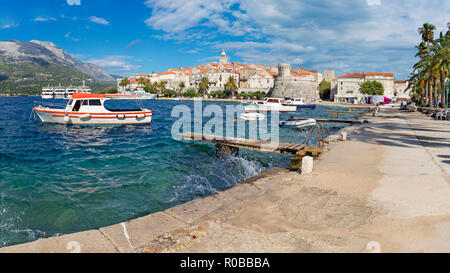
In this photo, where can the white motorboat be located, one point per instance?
(268, 105)
(252, 116)
(89, 109)
(294, 101)
(140, 92)
(63, 92)
(298, 123)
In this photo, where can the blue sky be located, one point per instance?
(139, 36)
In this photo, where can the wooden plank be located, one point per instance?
(290, 148)
(344, 112)
(332, 120)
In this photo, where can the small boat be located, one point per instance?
(268, 105)
(252, 116)
(298, 123)
(89, 109)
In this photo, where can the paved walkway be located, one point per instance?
(385, 189)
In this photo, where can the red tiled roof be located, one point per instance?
(300, 74)
(379, 74)
(167, 73)
(353, 75)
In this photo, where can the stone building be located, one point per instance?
(329, 75)
(294, 85)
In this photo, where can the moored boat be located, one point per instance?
(140, 92)
(298, 123)
(252, 116)
(89, 109)
(294, 101)
(268, 105)
(63, 92)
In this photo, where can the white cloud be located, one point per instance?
(98, 20)
(12, 25)
(116, 64)
(133, 43)
(68, 36)
(353, 35)
(74, 2)
(44, 19)
(373, 2)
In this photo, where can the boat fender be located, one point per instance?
(122, 116)
(140, 116)
(66, 118)
(86, 116)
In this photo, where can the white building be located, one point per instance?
(346, 88)
(261, 80)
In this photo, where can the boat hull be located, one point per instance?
(298, 123)
(307, 106)
(252, 117)
(113, 118)
(269, 108)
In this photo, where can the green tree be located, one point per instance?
(427, 33)
(372, 88)
(324, 89)
(230, 86)
(190, 93)
(109, 90)
(150, 88)
(203, 85)
(182, 85)
(124, 82)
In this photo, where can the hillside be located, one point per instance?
(25, 67)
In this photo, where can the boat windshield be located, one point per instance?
(121, 105)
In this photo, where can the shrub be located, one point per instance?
(324, 89)
(190, 93)
(169, 93)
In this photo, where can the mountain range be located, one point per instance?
(26, 67)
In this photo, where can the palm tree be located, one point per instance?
(182, 85)
(124, 82)
(204, 85)
(443, 52)
(427, 33)
(422, 50)
(230, 86)
(142, 82)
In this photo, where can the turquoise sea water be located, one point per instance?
(58, 179)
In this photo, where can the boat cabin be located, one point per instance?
(85, 102)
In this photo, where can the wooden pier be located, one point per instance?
(264, 146)
(336, 113)
(231, 145)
